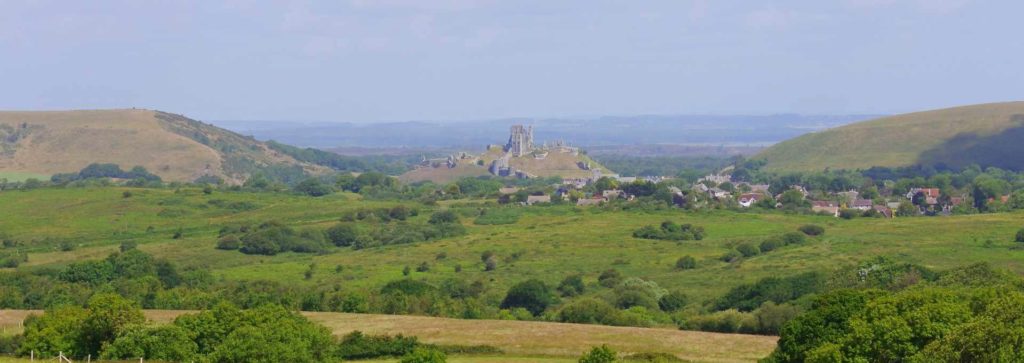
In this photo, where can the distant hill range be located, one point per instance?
(712, 130)
(990, 135)
(171, 146)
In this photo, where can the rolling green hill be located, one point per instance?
(172, 146)
(986, 134)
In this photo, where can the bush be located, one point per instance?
(424, 355)
(571, 286)
(609, 278)
(165, 342)
(748, 249)
(1020, 235)
(444, 217)
(686, 263)
(532, 295)
(588, 311)
(792, 238)
(731, 256)
(601, 354)
(812, 229)
(848, 213)
(343, 235)
(357, 346)
(673, 301)
(229, 242)
(633, 297)
(672, 231)
(771, 244)
(728, 321)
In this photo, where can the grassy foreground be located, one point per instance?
(524, 341)
(547, 242)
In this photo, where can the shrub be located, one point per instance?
(747, 249)
(731, 256)
(601, 354)
(686, 263)
(424, 355)
(165, 342)
(633, 297)
(423, 267)
(728, 321)
(357, 346)
(588, 311)
(1020, 235)
(444, 217)
(673, 301)
(571, 286)
(848, 213)
(490, 264)
(609, 278)
(791, 238)
(229, 242)
(771, 244)
(532, 295)
(343, 235)
(672, 231)
(812, 229)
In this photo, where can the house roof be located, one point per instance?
(823, 203)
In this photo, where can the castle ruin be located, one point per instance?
(520, 140)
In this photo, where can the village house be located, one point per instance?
(612, 194)
(534, 199)
(827, 207)
(755, 188)
(862, 204)
(748, 199)
(595, 200)
(508, 190)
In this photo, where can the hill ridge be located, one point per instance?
(956, 137)
(170, 145)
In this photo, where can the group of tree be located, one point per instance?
(672, 231)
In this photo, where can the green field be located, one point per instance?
(551, 242)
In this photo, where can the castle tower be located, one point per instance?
(520, 140)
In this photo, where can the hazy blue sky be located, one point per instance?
(364, 60)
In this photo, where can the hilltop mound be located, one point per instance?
(986, 134)
(171, 146)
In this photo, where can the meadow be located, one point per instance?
(548, 243)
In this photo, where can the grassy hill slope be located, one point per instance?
(986, 134)
(172, 146)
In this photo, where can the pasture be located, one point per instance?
(548, 243)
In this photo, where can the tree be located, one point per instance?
(601, 354)
(686, 263)
(532, 295)
(443, 217)
(343, 235)
(58, 330)
(609, 278)
(272, 334)
(907, 210)
(605, 183)
(109, 316)
(164, 342)
(572, 285)
(313, 187)
(673, 301)
(792, 198)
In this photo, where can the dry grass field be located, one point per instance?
(524, 339)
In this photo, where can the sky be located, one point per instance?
(393, 60)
